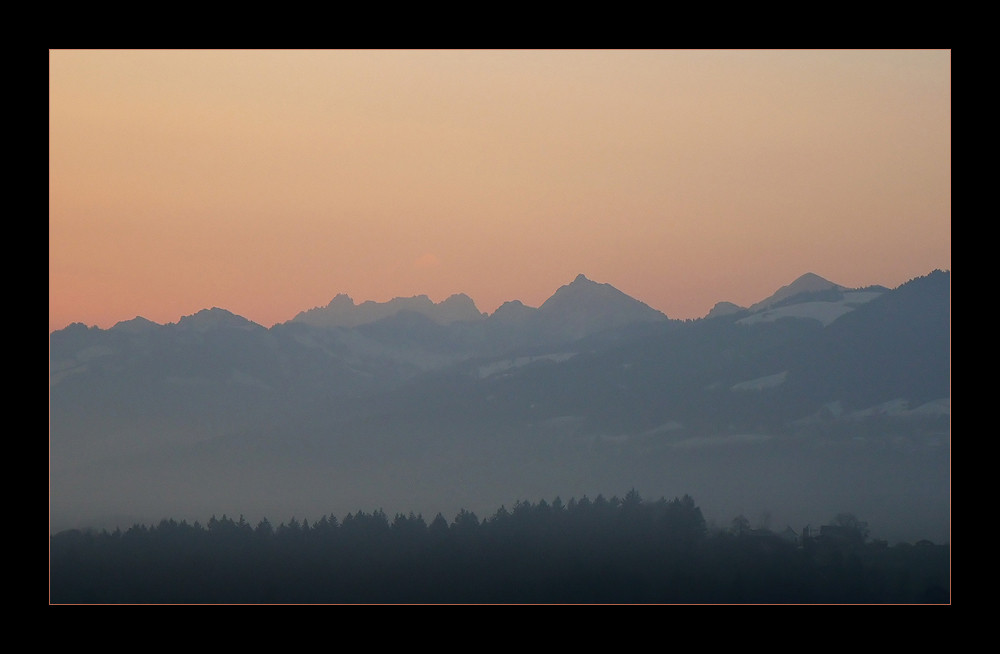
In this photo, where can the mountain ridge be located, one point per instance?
(343, 311)
(408, 412)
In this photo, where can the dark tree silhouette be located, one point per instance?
(626, 550)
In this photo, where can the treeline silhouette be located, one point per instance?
(606, 551)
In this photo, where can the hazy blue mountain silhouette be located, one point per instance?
(591, 392)
(807, 283)
(585, 307)
(343, 312)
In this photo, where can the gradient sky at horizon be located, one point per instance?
(266, 182)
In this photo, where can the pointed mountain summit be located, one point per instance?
(513, 312)
(137, 325)
(585, 307)
(456, 308)
(807, 283)
(215, 318)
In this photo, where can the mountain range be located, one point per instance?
(814, 398)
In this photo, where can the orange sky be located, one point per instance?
(266, 182)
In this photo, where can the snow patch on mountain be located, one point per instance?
(504, 365)
(768, 381)
(718, 441)
(824, 312)
(900, 408)
(807, 283)
(896, 408)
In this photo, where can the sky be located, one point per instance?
(266, 182)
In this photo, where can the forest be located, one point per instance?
(588, 551)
